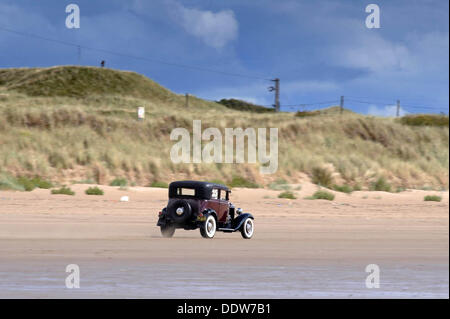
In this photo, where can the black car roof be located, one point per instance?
(203, 190)
(197, 184)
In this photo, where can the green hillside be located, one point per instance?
(80, 82)
(240, 105)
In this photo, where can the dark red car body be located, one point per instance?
(191, 202)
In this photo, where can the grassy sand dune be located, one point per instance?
(77, 123)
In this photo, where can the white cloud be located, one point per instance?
(215, 29)
(431, 52)
(385, 111)
(375, 54)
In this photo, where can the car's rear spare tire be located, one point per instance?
(179, 211)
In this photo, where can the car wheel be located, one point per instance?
(208, 229)
(248, 228)
(167, 231)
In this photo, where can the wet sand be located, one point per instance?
(301, 248)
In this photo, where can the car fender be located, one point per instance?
(238, 221)
(162, 218)
(210, 211)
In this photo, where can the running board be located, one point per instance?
(227, 230)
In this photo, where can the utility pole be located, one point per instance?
(398, 108)
(187, 100)
(276, 88)
(341, 105)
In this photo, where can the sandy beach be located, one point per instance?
(301, 248)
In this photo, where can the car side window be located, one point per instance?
(215, 193)
(223, 195)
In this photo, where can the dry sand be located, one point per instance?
(301, 248)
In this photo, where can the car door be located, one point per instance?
(224, 206)
(214, 202)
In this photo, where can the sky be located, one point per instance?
(320, 50)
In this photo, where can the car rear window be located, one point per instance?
(186, 191)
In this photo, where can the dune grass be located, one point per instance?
(322, 194)
(287, 195)
(380, 185)
(239, 181)
(8, 182)
(322, 177)
(217, 181)
(240, 105)
(23, 183)
(119, 181)
(159, 184)
(47, 129)
(425, 120)
(432, 198)
(63, 191)
(94, 191)
(279, 184)
(343, 188)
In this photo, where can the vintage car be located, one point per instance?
(203, 205)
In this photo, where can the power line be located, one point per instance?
(418, 111)
(309, 104)
(153, 60)
(296, 107)
(362, 102)
(403, 105)
(377, 100)
(424, 107)
(387, 101)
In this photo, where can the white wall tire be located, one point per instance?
(248, 228)
(208, 229)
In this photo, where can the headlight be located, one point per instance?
(239, 211)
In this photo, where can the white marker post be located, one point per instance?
(141, 113)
